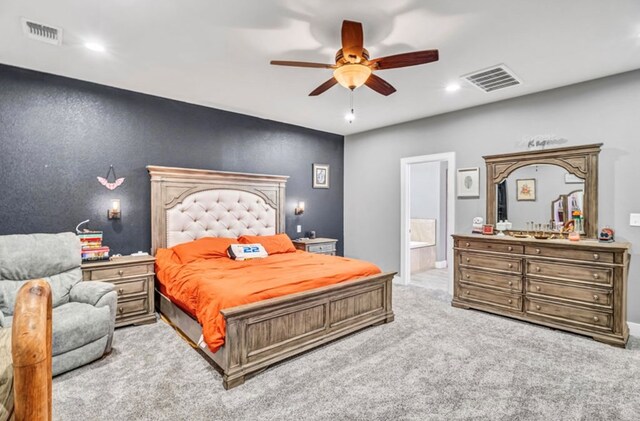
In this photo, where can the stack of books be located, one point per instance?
(92, 248)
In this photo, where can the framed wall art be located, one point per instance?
(468, 182)
(320, 176)
(526, 189)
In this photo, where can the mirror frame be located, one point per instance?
(581, 161)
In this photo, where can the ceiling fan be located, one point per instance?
(353, 67)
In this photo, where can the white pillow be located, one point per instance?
(246, 251)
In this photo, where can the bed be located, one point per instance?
(188, 204)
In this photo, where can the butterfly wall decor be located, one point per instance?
(105, 181)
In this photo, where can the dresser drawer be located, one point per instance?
(570, 253)
(492, 279)
(130, 287)
(128, 308)
(490, 246)
(600, 297)
(593, 274)
(321, 248)
(491, 262)
(494, 298)
(561, 313)
(119, 272)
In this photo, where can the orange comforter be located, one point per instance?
(205, 287)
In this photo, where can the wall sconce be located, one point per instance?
(299, 210)
(114, 211)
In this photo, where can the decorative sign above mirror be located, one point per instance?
(552, 188)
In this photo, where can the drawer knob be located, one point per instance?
(596, 256)
(120, 291)
(537, 268)
(467, 244)
(468, 276)
(510, 265)
(596, 276)
(467, 292)
(510, 301)
(537, 251)
(596, 298)
(537, 307)
(510, 283)
(537, 288)
(120, 272)
(467, 259)
(510, 248)
(596, 319)
(120, 310)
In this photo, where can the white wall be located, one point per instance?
(429, 200)
(604, 110)
(425, 191)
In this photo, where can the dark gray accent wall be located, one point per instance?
(58, 134)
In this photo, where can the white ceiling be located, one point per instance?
(217, 53)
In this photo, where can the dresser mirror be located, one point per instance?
(540, 193)
(544, 190)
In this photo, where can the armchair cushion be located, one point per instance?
(22, 256)
(61, 285)
(54, 257)
(89, 292)
(77, 324)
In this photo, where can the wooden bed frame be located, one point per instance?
(266, 332)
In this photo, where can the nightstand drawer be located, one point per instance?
(133, 279)
(321, 248)
(112, 273)
(131, 287)
(133, 307)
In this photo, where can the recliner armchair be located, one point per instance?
(84, 312)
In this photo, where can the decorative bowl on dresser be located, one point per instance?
(317, 245)
(133, 277)
(579, 287)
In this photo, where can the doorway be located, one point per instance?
(427, 220)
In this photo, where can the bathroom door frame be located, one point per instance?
(405, 211)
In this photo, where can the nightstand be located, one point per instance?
(317, 245)
(133, 277)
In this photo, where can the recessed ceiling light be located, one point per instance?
(94, 46)
(452, 87)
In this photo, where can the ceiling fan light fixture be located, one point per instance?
(352, 76)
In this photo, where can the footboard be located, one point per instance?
(263, 333)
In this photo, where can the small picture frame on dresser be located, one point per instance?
(320, 176)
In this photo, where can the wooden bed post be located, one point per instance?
(31, 352)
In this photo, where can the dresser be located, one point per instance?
(133, 277)
(580, 286)
(317, 245)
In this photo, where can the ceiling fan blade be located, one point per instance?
(352, 39)
(380, 85)
(325, 86)
(406, 59)
(302, 64)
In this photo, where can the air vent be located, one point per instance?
(492, 79)
(42, 32)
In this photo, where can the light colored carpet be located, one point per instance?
(433, 362)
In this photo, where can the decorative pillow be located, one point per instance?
(246, 251)
(274, 244)
(204, 248)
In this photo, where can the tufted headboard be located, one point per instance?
(187, 204)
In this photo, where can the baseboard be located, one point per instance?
(441, 265)
(634, 329)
